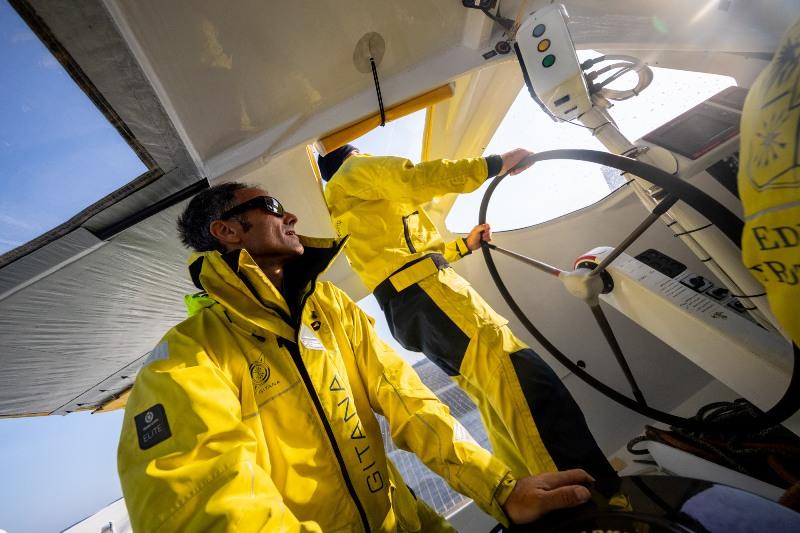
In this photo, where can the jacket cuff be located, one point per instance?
(461, 246)
(495, 164)
(501, 495)
(504, 489)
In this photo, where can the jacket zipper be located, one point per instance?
(295, 351)
(407, 234)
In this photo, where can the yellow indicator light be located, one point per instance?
(543, 45)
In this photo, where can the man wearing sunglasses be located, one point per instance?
(256, 413)
(531, 420)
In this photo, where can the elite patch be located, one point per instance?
(152, 426)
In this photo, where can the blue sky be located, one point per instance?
(57, 470)
(58, 154)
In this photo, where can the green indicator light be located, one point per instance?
(548, 60)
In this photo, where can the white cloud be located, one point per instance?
(11, 221)
(48, 61)
(21, 37)
(10, 244)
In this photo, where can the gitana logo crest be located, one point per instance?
(259, 372)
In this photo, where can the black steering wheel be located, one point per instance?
(677, 189)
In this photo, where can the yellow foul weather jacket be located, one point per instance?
(256, 414)
(769, 181)
(398, 232)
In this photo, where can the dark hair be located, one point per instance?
(329, 164)
(204, 208)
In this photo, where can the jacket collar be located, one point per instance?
(236, 282)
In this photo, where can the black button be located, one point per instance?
(563, 100)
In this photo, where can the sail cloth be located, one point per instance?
(105, 312)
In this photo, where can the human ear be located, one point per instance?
(225, 232)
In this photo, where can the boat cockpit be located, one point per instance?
(616, 256)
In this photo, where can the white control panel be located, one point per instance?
(551, 68)
(685, 314)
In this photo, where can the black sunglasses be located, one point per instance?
(268, 203)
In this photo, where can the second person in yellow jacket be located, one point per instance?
(533, 423)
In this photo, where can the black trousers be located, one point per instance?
(531, 419)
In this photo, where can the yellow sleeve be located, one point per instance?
(186, 460)
(396, 178)
(420, 423)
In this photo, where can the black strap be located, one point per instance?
(378, 90)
